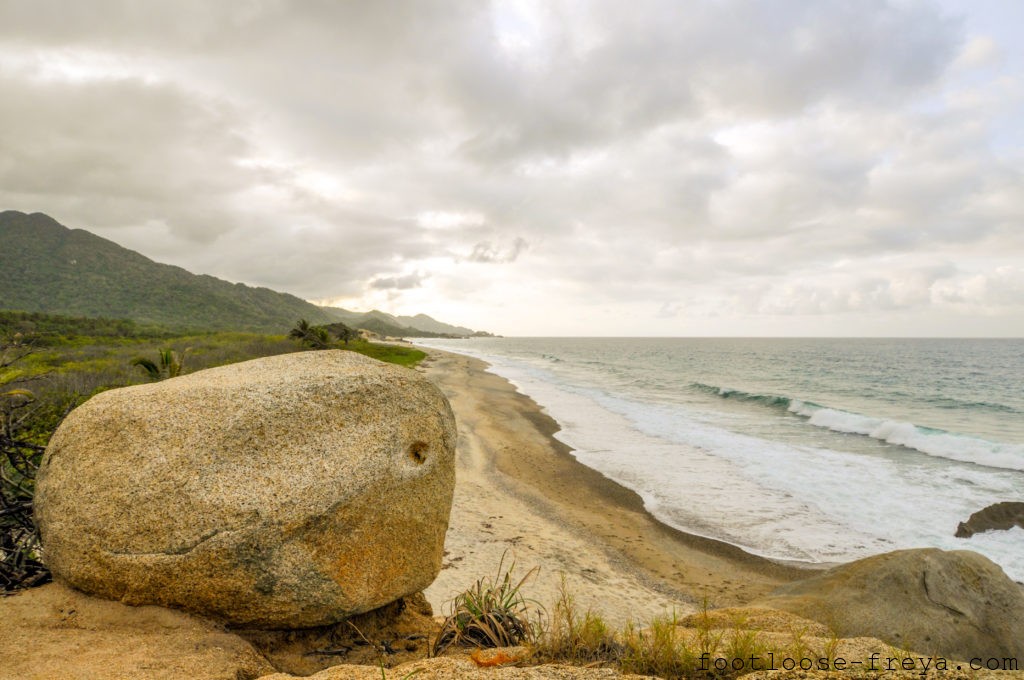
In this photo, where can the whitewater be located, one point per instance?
(806, 450)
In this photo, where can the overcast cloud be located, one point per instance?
(583, 168)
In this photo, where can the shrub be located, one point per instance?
(172, 364)
(20, 453)
(20, 559)
(493, 613)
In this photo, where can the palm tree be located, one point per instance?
(171, 364)
(314, 337)
(343, 332)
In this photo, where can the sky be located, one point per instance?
(666, 168)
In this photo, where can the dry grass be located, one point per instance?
(666, 647)
(719, 644)
(573, 637)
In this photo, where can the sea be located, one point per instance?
(814, 451)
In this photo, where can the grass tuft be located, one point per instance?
(658, 650)
(493, 613)
(575, 638)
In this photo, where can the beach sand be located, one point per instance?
(520, 490)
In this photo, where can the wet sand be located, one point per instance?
(518, 489)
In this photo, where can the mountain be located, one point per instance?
(426, 323)
(355, 319)
(382, 323)
(46, 267)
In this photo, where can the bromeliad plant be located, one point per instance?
(493, 613)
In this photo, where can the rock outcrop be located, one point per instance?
(284, 492)
(998, 516)
(399, 632)
(56, 632)
(955, 604)
(463, 668)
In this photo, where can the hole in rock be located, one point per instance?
(418, 452)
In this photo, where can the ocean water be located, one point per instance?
(809, 450)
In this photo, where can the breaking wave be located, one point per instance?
(930, 441)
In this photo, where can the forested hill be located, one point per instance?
(382, 323)
(46, 267)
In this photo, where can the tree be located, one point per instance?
(171, 364)
(343, 332)
(314, 337)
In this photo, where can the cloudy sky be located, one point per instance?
(698, 167)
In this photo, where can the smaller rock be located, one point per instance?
(998, 516)
(56, 632)
(463, 668)
(955, 604)
(400, 632)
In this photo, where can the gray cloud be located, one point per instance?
(485, 251)
(398, 282)
(773, 159)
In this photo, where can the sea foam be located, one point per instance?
(800, 499)
(930, 441)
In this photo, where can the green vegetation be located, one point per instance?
(171, 364)
(392, 354)
(382, 323)
(343, 332)
(493, 613)
(48, 329)
(314, 337)
(703, 645)
(386, 325)
(50, 364)
(68, 357)
(319, 337)
(46, 267)
(571, 637)
(20, 453)
(710, 644)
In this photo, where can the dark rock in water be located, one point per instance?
(955, 604)
(1000, 516)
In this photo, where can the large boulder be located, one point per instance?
(284, 492)
(956, 604)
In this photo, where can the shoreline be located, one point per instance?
(512, 470)
(628, 498)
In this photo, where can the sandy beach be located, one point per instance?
(520, 490)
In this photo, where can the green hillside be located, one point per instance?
(378, 322)
(382, 323)
(46, 267)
